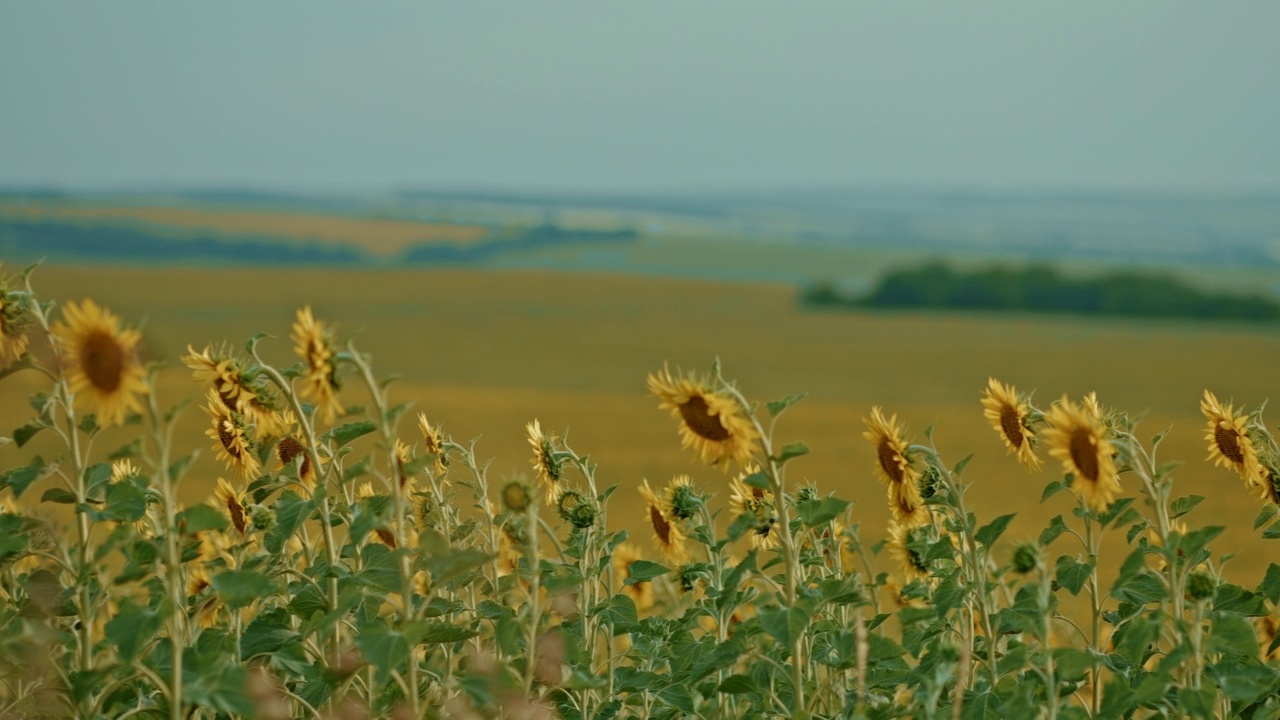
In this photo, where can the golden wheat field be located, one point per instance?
(380, 237)
(484, 352)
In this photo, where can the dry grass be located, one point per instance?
(484, 352)
(383, 238)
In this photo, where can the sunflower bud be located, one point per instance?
(1026, 557)
(516, 496)
(1201, 586)
(261, 517)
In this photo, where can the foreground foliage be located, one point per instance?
(346, 567)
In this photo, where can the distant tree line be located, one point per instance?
(1042, 288)
(133, 244)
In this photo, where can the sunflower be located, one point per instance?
(892, 463)
(1229, 441)
(679, 499)
(906, 507)
(666, 533)
(401, 452)
(547, 463)
(900, 543)
(101, 366)
(757, 504)
(1269, 490)
(230, 499)
(233, 444)
(712, 424)
(123, 469)
(1076, 438)
(1009, 414)
(435, 442)
(641, 592)
(313, 343)
(241, 391)
(13, 323)
(289, 449)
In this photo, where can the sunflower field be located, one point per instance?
(356, 561)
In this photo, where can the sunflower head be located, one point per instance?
(1229, 441)
(679, 500)
(892, 464)
(290, 449)
(230, 499)
(712, 424)
(624, 556)
(906, 507)
(516, 496)
(401, 453)
(100, 361)
(548, 464)
(575, 509)
(1010, 415)
(313, 342)
(907, 546)
(666, 531)
(1076, 438)
(757, 505)
(1269, 488)
(434, 440)
(232, 441)
(14, 319)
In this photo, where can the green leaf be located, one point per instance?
(352, 430)
(989, 533)
(23, 435)
(132, 628)
(792, 450)
(1232, 635)
(384, 648)
(735, 684)
(267, 634)
(1071, 573)
(436, 631)
(1139, 589)
(1270, 586)
(620, 612)
(179, 467)
(240, 588)
(1052, 489)
(199, 518)
(1073, 664)
(19, 479)
(59, 495)
(1051, 533)
(1243, 680)
(948, 596)
(958, 470)
(1199, 703)
(776, 407)
(1267, 514)
(821, 510)
(643, 571)
(125, 502)
(1184, 505)
(1235, 599)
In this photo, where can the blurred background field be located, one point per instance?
(482, 352)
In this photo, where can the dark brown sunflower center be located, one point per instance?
(1228, 440)
(102, 360)
(288, 449)
(695, 413)
(1084, 453)
(889, 460)
(228, 435)
(661, 527)
(237, 513)
(1011, 423)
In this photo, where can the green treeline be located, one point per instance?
(1041, 288)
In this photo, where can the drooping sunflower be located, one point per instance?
(757, 504)
(14, 319)
(313, 342)
(666, 532)
(434, 439)
(679, 499)
(241, 391)
(909, 559)
(1076, 438)
(1229, 441)
(100, 361)
(906, 507)
(1269, 488)
(289, 449)
(712, 424)
(230, 499)
(1010, 415)
(401, 452)
(641, 592)
(232, 442)
(892, 464)
(547, 463)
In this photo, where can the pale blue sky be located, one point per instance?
(642, 95)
